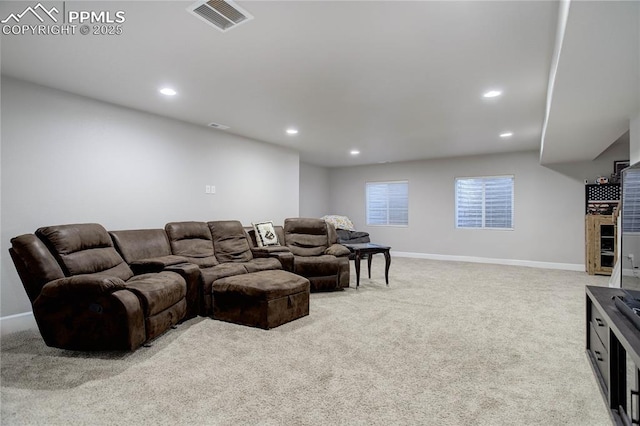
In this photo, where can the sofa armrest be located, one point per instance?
(268, 251)
(282, 253)
(155, 264)
(337, 250)
(83, 286)
(192, 276)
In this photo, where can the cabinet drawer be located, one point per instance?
(600, 326)
(600, 354)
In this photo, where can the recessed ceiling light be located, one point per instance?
(167, 91)
(506, 134)
(292, 131)
(354, 152)
(492, 94)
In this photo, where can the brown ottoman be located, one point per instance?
(264, 299)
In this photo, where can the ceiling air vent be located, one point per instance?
(219, 126)
(222, 14)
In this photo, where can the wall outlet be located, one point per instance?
(213, 189)
(207, 189)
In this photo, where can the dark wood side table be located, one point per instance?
(368, 250)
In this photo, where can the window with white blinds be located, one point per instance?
(631, 201)
(484, 202)
(388, 203)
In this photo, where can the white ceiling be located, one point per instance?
(396, 80)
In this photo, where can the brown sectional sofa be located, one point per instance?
(96, 290)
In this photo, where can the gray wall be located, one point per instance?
(548, 215)
(68, 159)
(314, 191)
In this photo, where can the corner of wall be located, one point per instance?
(634, 140)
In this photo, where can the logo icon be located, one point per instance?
(34, 11)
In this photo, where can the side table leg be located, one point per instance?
(387, 263)
(369, 256)
(357, 262)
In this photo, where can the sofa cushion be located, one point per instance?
(265, 234)
(223, 270)
(158, 291)
(306, 236)
(230, 242)
(264, 285)
(193, 241)
(262, 264)
(140, 244)
(84, 249)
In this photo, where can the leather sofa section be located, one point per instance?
(149, 251)
(310, 240)
(97, 304)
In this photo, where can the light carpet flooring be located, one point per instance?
(447, 343)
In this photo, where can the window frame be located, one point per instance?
(366, 206)
(624, 224)
(484, 178)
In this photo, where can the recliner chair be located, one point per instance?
(317, 256)
(86, 297)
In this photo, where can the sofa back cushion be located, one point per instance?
(193, 241)
(84, 249)
(141, 244)
(34, 262)
(306, 236)
(230, 243)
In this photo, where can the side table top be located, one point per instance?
(366, 246)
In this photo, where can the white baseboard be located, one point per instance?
(18, 322)
(474, 259)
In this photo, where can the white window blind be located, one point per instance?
(484, 202)
(388, 203)
(631, 201)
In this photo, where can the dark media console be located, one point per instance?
(613, 349)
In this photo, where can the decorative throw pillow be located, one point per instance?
(265, 234)
(339, 222)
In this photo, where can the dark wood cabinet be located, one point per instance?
(613, 349)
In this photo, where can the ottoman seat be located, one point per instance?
(264, 299)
